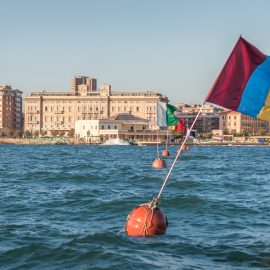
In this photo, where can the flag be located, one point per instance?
(180, 125)
(165, 115)
(243, 83)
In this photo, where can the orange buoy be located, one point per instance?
(146, 220)
(165, 153)
(185, 148)
(159, 163)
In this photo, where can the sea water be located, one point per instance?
(64, 207)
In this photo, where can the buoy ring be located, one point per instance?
(146, 220)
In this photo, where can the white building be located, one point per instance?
(122, 126)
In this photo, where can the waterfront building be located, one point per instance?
(235, 122)
(46, 112)
(10, 109)
(122, 126)
(194, 108)
(205, 123)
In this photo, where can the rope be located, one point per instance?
(167, 138)
(157, 145)
(178, 153)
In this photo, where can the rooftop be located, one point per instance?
(126, 117)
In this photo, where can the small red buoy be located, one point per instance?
(165, 153)
(159, 163)
(146, 220)
(185, 148)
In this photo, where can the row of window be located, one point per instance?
(108, 127)
(82, 109)
(224, 117)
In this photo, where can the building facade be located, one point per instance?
(194, 108)
(204, 124)
(89, 83)
(121, 126)
(58, 111)
(235, 122)
(10, 109)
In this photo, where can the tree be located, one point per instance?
(261, 132)
(36, 133)
(54, 132)
(18, 133)
(43, 132)
(71, 133)
(10, 133)
(62, 133)
(27, 133)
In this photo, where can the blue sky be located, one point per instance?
(175, 47)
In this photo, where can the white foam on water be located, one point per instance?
(116, 142)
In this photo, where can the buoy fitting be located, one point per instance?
(159, 163)
(185, 148)
(165, 153)
(146, 220)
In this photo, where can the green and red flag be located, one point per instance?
(166, 117)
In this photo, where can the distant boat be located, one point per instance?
(132, 142)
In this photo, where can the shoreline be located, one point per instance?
(70, 141)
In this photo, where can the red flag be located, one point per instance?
(180, 125)
(244, 82)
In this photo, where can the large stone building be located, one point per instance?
(235, 122)
(58, 111)
(10, 109)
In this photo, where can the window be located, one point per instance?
(102, 127)
(109, 127)
(115, 127)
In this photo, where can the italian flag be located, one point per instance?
(166, 117)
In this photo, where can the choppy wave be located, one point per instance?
(63, 207)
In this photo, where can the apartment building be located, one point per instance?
(51, 111)
(10, 109)
(207, 120)
(235, 122)
(194, 108)
(90, 84)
